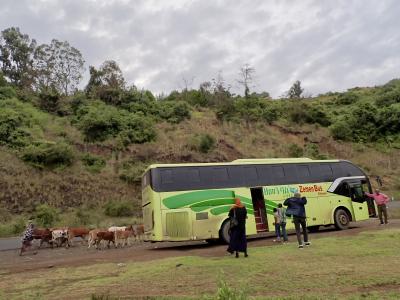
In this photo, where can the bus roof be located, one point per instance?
(242, 162)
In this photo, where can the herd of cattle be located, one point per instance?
(119, 236)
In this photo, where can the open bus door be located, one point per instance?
(260, 212)
(354, 187)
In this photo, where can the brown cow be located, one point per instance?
(78, 232)
(123, 236)
(92, 237)
(44, 235)
(138, 232)
(105, 236)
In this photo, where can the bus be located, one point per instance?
(191, 201)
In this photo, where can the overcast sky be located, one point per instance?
(329, 45)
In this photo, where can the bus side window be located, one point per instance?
(250, 176)
(166, 176)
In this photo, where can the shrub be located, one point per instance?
(10, 132)
(93, 163)
(118, 209)
(132, 171)
(13, 228)
(173, 112)
(136, 130)
(226, 293)
(46, 215)
(295, 150)
(48, 155)
(49, 101)
(341, 131)
(203, 143)
(83, 216)
(7, 92)
(99, 122)
(347, 98)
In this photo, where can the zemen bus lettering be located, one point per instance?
(191, 201)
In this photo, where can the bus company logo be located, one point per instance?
(280, 190)
(310, 188)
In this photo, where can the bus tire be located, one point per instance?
(224, 232)
(342, 219)
(313, 228)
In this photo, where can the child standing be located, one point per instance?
(277, 223)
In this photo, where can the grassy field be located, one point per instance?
(365, 266)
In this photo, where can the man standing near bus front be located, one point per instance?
(381, 200)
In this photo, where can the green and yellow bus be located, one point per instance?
(183, 202)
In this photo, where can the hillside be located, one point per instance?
(89, 150)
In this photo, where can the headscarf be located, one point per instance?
(238, 203)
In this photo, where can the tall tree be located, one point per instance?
(58, 65)
(111, 75)
(296, 90)
(16, 52)
(246, 78)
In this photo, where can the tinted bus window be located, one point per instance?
(166, 176)
(303, 173)
(250, 175)
(220, 174)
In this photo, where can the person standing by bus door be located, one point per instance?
(381, 200)
(296, 209)
(277, 224)
(238, 242)
(282, 214)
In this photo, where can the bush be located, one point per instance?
(295, 150)
(7, 92)
(49, 101)
(48, 155)
(10, 132)
(226, 293)
(13, 228)
(46, 215)
(173, 112)
(203, 143)
(347, 98)
(99, 122)
(93, 163)
(132, 171)
(136, 130)
(83, 216)
(118, 209)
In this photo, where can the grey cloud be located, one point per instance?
(328, 45)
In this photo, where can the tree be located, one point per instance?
(59, 66)
(106, 83)
(246, 74)
(16, 51)
(295, 91)
(111, 75)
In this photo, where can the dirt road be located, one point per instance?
(79, 255)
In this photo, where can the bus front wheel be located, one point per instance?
(342, 219)
(224, 232)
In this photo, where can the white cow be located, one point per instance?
(60, 236)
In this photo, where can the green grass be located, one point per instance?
(358, 267)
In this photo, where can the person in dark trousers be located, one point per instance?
(27, 238)
(282, 213)
(238, 216)
(296, 209)
(277, 224)
(381, 201)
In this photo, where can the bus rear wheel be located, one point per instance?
(342, 219)
(224, 232)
